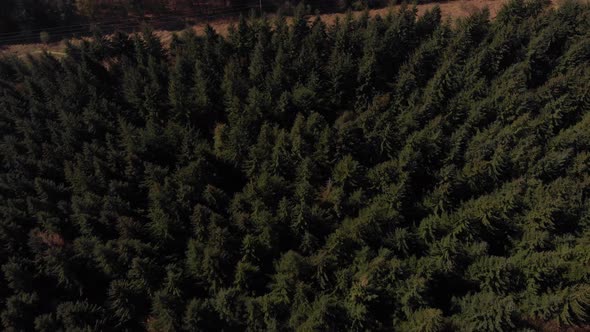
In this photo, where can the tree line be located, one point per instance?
(24, 16)
(23, 20)
(391, 173)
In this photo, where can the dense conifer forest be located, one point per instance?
(392, 173)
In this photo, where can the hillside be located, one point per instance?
(449, 9)
(387, 173)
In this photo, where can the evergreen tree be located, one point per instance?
(378, 173)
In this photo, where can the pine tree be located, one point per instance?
(401, 172)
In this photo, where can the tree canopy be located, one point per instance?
(390, 173)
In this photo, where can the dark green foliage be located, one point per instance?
(378, 174)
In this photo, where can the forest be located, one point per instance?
(393, 173)
(22, 20)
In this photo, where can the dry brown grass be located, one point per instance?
(22, 50)
(449, 9)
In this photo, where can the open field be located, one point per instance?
(450, 9)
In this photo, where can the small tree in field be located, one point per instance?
(45, 37)
(86, 7)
